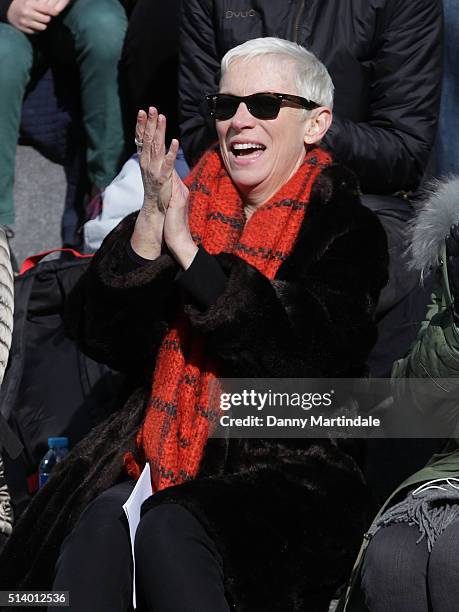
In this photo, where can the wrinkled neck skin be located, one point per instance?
(260, 194)
(249, 209)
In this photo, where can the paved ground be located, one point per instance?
(39, 199)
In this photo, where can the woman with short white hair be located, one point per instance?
(263, 265)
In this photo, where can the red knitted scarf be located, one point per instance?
(176, 426)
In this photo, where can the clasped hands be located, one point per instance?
(33, 16)
(163, 218)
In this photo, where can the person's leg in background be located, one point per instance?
(448, 122)
(181, 165)
(95, 561)
(98, 30)
(17, 57)
(443, 571)
(149, 65)
(394, 572)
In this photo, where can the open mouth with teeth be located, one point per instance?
(247, 149)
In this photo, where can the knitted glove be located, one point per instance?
(452, 262)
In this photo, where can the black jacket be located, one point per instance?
(384, 57)
(4, 6)
(148, 66)
(287, 516)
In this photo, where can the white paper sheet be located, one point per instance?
(140, 493)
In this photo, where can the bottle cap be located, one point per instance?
(60, 442)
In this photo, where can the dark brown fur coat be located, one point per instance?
(287, 516)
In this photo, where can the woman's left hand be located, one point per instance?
(177, 235)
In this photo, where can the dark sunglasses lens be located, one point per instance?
(264, 106)
(224, 107)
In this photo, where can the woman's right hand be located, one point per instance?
(156, 166)
(157, 169)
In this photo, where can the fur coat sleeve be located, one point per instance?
(119, 317)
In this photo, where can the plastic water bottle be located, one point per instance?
(58, 449)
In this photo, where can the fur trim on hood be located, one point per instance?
(430, 227)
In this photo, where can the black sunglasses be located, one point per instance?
(260, 105)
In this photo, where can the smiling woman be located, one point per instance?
(265, 264)
(263, 141)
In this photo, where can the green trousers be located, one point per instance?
(89, 33)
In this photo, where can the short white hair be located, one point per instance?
(311, 78)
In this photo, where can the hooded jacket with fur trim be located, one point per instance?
(286, 515)
(434, 356)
